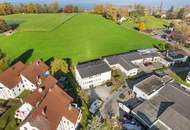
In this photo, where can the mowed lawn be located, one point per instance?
(150, 22)
(36, 22)
(81, 38)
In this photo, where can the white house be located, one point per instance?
(23, 111)
(177, 56)
(32, 101)
(92, 74)
(167, 110)
(148, 87)
(121, 19)
(122, 63)
(55, 112)
(188, 78)
(10, 82)
(128, 62)
(20, 77)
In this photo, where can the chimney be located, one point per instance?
(44, 111)
(70, 107)
(37, 63)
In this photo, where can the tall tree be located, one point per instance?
(4, 61)
(99, 9)
(59, 65)
(123, 12)
(97, 124)
(5, 8)
(141, 26)
(69, 9)
(180, 14)
(184, 31)
(53, 7)
(140, 9)
(3, 26)
(170, 13)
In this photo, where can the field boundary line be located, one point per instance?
(62, 23)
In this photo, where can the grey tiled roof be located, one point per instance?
(92, 68)
(171, 105)
(148, 55)
(132, 56)
(150, 84)
(122, 60)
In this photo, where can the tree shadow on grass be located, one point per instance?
(23, 57)
(48, 61)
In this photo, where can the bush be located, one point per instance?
(3, 26)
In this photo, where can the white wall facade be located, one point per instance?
(65, 124)
(27, 126)
(92, 81)
(128, 73)
(6, 93)
(140, 94)
(27, 84)
(137, 62)
(23, 111)
(24, 84)
(18, 89)
(188, 78)
(184, 59)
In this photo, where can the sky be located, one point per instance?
(156, 3)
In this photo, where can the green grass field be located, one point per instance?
(150, 22)
(81, 38)
(36, 22)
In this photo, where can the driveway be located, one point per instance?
(110, 99)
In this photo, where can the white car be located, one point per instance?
(95, 105)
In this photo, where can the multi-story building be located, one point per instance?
(92, 74)
(54, 112)
(128, 62)
(20, 77)
(167, 108)
(47, 107)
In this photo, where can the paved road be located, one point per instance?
(111, 102)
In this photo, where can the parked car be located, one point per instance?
(95, 106)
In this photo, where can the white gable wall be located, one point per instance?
(27, 84)
(92, 81)
(65, 124)
(128, 73)
(28, 126)
(23, 111)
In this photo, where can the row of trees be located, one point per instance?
(111, 12)
(178, 13)
(181, 32)
(3, 26)
(7, 8)
(4, 61)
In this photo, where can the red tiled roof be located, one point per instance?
(57, 104)
(11, 77)
(37, 96)
(35, 70)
